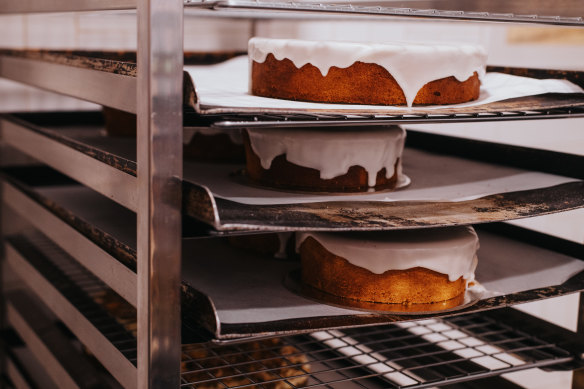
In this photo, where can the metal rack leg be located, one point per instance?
(159, 95)
(578, 375)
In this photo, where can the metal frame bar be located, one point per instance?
(159, 157)
(283, 9)
(111, 358)
(99, 262)
(28, 330)
(86, 84)
(26, 6)
(15, 375)
(101, 177)
(578, 375)
(64, 364)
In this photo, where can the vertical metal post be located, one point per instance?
(159, 151)
(578, 375)
(2, 264)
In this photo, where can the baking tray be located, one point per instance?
(229, 303)
(122, 64)
(248, 302)
(83, 132)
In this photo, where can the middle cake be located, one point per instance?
(354, 159)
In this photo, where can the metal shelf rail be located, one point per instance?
(73, 305)
(156, 96)
(158, 203)
(92, 75)
(66, 365)
(515, 12)
(522, 11)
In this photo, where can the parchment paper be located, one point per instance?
(225, 86)
(434, 178)
(247, 288)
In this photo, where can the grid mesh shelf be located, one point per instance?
(80, 287)
(418, 354)
(307, 120)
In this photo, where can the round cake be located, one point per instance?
(393, 267)
(208, 144)
(325, 160)
(365, 73)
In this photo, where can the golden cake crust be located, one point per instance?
(335, 275)
(287, 175)
(353, 85)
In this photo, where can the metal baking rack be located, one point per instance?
(56, 360)
(411, 354)
(81, 137)
(203, 308)
(153, 192)
(105, 71)
(325, 120)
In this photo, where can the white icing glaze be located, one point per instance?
(450, 250)
(284, 237)
(189, 132)
(412, 65)
(332, 151)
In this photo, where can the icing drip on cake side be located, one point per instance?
(412, 65)
(283, 237)
(332, 152)
(450, 251)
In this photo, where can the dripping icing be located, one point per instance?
(332, 152)
(283, 238)
(450, 250)
(412, 65)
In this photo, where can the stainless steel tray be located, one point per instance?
(92, 75)
(81, 136)
(218, 301)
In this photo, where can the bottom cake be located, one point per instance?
(394, 267)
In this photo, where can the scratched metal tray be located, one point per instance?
(118, 71)
(515, 265)
(83, 133)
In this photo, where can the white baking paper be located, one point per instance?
(224, 86)
(247, 288)
(434, 177)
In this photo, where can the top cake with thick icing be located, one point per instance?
(412, 66)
